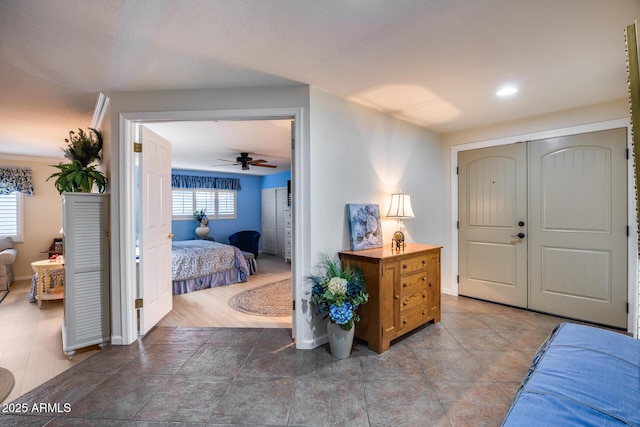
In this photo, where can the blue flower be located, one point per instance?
(341, 314)
(354, 289)
(316, 289)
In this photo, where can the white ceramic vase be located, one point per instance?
(340, 341)
(202, 232)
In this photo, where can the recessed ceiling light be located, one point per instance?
(507, 91)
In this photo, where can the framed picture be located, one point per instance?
(365, 228)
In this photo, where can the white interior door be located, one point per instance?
(578, 226)
(492, 210)
(269, 221)
(155, 230)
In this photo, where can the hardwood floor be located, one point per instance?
(31, 338)
(210, 307)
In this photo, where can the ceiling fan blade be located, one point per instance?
(265, 166)
(253, 162)
(230, 161)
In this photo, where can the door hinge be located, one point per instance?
(627, 308)
(293, 304)
(458, 225)
(137, 147)
(627, 231)
(627, 153)
(138, 303)
(457, 170)
(458, 278)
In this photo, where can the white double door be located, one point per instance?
(543, 225)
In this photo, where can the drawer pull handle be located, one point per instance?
(429, 284)
(404, 303)
(397, 296)
(404, 285)
(404, 266)
(404, 321)
(424, 278)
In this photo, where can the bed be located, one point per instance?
(201, 264)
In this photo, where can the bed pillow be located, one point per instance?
(6, 242)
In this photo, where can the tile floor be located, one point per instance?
(462, 371)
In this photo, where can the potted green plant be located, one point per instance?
(83, 148)
(86, 147)
(337, 293)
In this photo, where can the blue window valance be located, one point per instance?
(15, 180)
(188, 181)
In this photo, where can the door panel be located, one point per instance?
(491, 204)
(155, 229)
(578, 241)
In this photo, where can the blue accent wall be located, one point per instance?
(249, 206)
(276, 180)
(249, 210)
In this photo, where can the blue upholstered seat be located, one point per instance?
(246, 240)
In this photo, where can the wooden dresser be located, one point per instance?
(404, 291)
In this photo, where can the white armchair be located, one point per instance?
(7, 257)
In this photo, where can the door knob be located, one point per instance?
(521, 223)
(519, 235)
(170, 235)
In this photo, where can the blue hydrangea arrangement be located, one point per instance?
(338, 292)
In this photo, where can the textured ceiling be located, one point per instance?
(436, 63)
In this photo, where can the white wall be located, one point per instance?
(358, 155)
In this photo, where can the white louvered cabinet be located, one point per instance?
(86, 321)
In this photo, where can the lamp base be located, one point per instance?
(397, 242)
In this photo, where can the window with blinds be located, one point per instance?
(217, 204)
(11, 223)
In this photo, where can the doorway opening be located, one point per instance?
(130, 132)
(206, 150)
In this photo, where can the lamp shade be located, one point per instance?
(400, 206)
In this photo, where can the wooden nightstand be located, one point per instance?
(404, 291)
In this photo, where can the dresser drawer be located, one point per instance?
(414, 318)
(413, 283)
(414, 300)
(413, 264)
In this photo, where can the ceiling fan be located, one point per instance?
(247, 161)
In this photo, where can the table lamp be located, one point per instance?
(400, 208)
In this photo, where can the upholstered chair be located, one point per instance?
(7, 257)
(246, 241)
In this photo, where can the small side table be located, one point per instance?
(44, 280)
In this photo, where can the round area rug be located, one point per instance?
(6, 383)
(270, 300)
